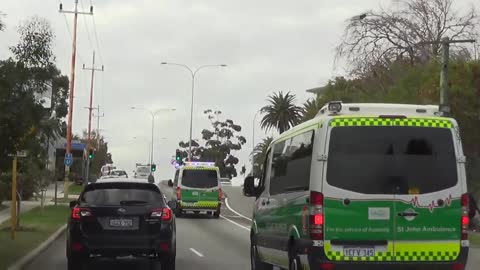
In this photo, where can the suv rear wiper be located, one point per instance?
(132, 202)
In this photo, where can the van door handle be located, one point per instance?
(265, 202)
(407, 214)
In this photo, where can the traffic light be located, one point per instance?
(154, 167)
(178, 155)
(90, 154)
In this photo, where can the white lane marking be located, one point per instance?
(235, 223)
(231, 209)
(196, 252)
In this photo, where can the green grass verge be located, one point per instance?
(474, 239)
(75, 189)
(36, 226)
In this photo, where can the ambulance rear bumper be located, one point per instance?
(316, 259)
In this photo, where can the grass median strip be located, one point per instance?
(35, 227)
(74, 189)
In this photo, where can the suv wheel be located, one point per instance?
(256, 263)
(74, 264)
(167, 262)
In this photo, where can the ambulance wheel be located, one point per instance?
(178, 212)
(256, 263)
(196, 212)
(216, 214)
(295, 264)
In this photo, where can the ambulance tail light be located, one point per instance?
(220, 194)
(458, 266)
(316, 216)
(179, 193)
(465, 220)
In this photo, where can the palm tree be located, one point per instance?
(281, 113)
(259, 154)
(310, 109)
(2, 24)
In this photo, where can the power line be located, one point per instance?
(86, 28)
(69, 31)
(96, 36)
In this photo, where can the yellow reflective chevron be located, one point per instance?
(199, 168)
(406, 251)
(401, 122)
(199, 204)
(336, 254)
(427, 251)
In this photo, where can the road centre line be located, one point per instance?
(231, 209)
(196, 252)
(235, 223)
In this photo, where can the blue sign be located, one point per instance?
(77, 146)
(68, 161)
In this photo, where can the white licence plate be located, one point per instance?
(359, 251)
(121, 223)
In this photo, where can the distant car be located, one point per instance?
(121, 217)
(107, 168)
(119, 173)
(142, 172)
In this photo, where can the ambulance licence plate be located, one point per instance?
(359, 251)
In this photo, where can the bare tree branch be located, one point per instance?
(400, 32)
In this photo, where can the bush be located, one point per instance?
(3, 192)
(26, 187)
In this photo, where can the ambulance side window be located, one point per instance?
(292, 160)
(266, 163)
(175, 180)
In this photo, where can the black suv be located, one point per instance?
(115, 218)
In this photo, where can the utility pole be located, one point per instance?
(98, 124)
(445, 42)
(68, 149)
(90, 113)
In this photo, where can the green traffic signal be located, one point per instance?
(178, 155)
(154, 167)
(90, 154)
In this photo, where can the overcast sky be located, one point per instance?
(268, 45)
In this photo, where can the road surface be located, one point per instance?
(202, 243)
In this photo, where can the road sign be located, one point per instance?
(68, 161)
(22, 154)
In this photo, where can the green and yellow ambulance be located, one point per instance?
(197, 188)
(363, 186)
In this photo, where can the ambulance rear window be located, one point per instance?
(391, 160)
(200, 178)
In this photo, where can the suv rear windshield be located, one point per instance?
(391, 160)
(120, 193)
(200, 178)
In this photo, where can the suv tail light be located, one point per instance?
(465, 220)
(163, 213)
(316, 216)
(78, 213)
(179, 193)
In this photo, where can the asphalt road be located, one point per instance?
(202, 243)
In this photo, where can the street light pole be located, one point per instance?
(253, 138)
(193, 74)
(153, 114)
